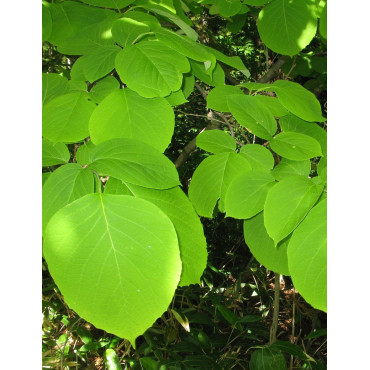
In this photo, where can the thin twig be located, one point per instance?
(275, 319)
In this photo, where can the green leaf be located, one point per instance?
(216, 141)
(295, 146)
(176, 98)
(322, 169)
(258, 156)
(256, 2)
(66, 184)
(126, 114)
(115, 186)
(188, 84)
(218, 97)
(66, 118)
(53, 85)
(307, 257)
(287, 27)
(111, 360)
(151, 68)
(103, 88)
(272, 104)
(217, 78)
(125, 30)
(187, 47)
(211, 180)
(246, 195)
(298, 100)
(287, 168)
(226, 8)
(83, 153)
(233, 61)
(228, 315)
(134, 162)
(267, 358)
(252, 114)
(77, 72)
(287, 204)
(148, 363)
(236, 23)
(77, 86)
(192, 243)
(54, 153)
(174, 18)
(77, 28)
(291, 349)
(323, 23)
(294, 124)
(46, 21)
(263, 248)
(100, 251)
(45, 176)
(113, 4)
(99, 62)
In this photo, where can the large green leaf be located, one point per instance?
(218, 97)
(263, 247)
(77, 28)
(113, 4)
(322, 168)
(246, 194)
(216, 141)
(267, 358)
(151, 68)
(134, 162)
(287, 204)
(256, 2)
(176, 205)
(287, 168)
(295, 124)
(187, 47)
(125, 30)
(307, 257)
(298, 100)
(46, 21)
(66, 118)
(258, 156)
(295, 146)
(103, 88)
(66, 184)
(53, 85)
(126, 114)
(99, 62)
(211, 180)
(115, 259)
(54, 153)
(252, 114)
(286, 27)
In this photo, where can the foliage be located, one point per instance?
(129, 216)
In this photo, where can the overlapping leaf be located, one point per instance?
(307, 257)
(246, 194)
(53, 85)
(262, 246)
(126, 114)
(287, 168)
(254, 115)
(175, 204)
(103, 88)
(287, 204)
(134, 162)
(258, 156)
(66, 184)
(54, 153)
(151, 68)
(211, 180)
(100, 251)
(66, 118)
(218, 97)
